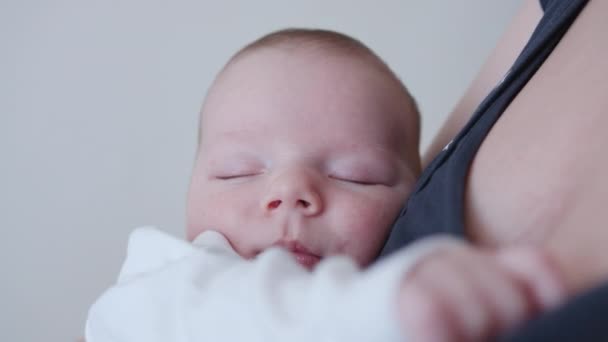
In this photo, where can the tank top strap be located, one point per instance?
(436, 204)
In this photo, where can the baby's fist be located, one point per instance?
(466, 294)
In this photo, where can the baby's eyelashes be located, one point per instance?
(235, 171)
(235, 176)
(362, 171)
(360, 175)
(233, 166)
(347, 171)
(356, 181)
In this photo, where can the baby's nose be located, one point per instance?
(294, 191)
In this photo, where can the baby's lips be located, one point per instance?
(300, 252)
(534, 267)
(307, 260)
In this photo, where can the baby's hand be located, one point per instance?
(465, 294)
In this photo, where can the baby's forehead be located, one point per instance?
(315, 81)
(285, 64)
(288, 70)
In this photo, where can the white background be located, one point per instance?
(98, 121)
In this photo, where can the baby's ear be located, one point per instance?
(533, 266)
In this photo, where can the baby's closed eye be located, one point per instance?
(235, 167)
(362, 172)
(353, 177)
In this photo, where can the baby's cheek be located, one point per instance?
(195, 216)
(238, 216)
(366, 227)
(212, 211)
(378, 211)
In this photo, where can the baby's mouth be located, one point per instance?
(302, 255)
(307, 260)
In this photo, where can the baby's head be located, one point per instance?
(308, 141)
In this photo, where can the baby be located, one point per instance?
(308, 149)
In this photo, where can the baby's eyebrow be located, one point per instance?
(231, 151)
(231, 139)
(371, 151)
(368, 161)
(239, 134)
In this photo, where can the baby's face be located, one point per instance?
(302, 151)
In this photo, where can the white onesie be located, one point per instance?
(170, 290)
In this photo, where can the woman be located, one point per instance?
(528, 166)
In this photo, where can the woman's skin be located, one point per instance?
(535, 188)
(539, 176)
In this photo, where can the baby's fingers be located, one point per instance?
(423, 315)
(463, 295)
(441, 301)
(533, 267)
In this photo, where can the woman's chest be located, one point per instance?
(546, 159)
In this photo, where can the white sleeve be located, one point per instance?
(170, 290)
